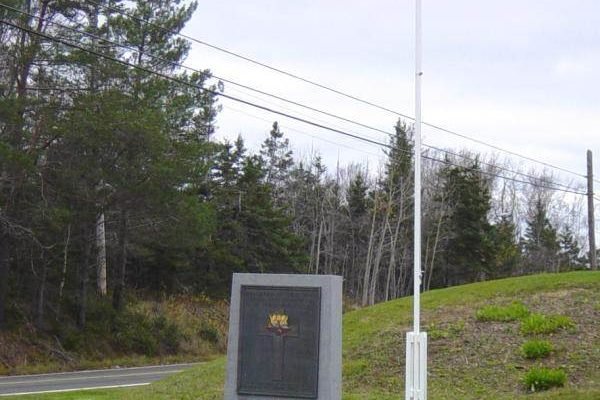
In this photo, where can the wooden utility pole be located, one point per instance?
(591, 229)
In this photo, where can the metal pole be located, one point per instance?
(417, 226)
(416, 341)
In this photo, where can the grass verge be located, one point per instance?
(472, 361)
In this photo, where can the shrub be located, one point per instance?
(133, 333)
(512, 312)
(536, 324)
(71, 338)
(209, 333)
(536, 349)
(540, 378)
(138, 333)
(168, 334)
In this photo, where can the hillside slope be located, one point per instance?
(468, 359)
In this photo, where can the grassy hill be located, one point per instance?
(468, 358)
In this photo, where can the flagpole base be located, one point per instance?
(416, 366)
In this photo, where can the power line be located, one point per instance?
(180, 81)
(504, 150)
(499, 167)
(447, 162)
(280, 106)
(511, 179)
(248, 59)
(288, 128)
(179, 65)
(330, 89)
(443, 161)
(567, 188)
(258, 106)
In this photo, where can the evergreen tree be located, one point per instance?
(541, 242)
(399, 161)
(357, 197)
(125, 142)
(570, 251)
(276, 157)
(356, 237)
(252, 234)
(506, 252)
(468, 251)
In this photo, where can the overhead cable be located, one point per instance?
(331, 89)
(258, 106)
(323, 112)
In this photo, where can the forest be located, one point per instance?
(113, 185)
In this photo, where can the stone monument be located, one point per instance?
(285, 337)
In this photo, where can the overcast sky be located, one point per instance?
(521, 75)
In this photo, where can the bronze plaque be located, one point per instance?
(279, 341)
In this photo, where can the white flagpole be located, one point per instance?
(417, 227)
(416, 341)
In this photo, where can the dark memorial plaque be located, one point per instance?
(278, 353)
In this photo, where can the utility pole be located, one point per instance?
(591, 228)
(416, 341)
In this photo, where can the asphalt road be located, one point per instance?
(68, 381)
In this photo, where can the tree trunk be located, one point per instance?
(4, 266)
(41, 300)
(318, 256)
(101, 256)
(331, 258)
(378, 257)
(63, 276)
(391, 276)
(313, 243)
(367, 274)
(84, 267)
(433, 253)
(404, 272)
(119, 293)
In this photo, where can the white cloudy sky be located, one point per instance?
(521, 75)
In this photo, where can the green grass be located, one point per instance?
(540, 378)
(539, 324)
(468, 360)
(108, 394)
(514, 311)
(534, 349)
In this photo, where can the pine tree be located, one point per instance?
(468, 252)
(276, 157)
(541, 242)
(357, 197)
(503, 240)
(125, 142)
(570, 251)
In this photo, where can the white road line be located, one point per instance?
(60, 380)
(107, 370)
(74, 390)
